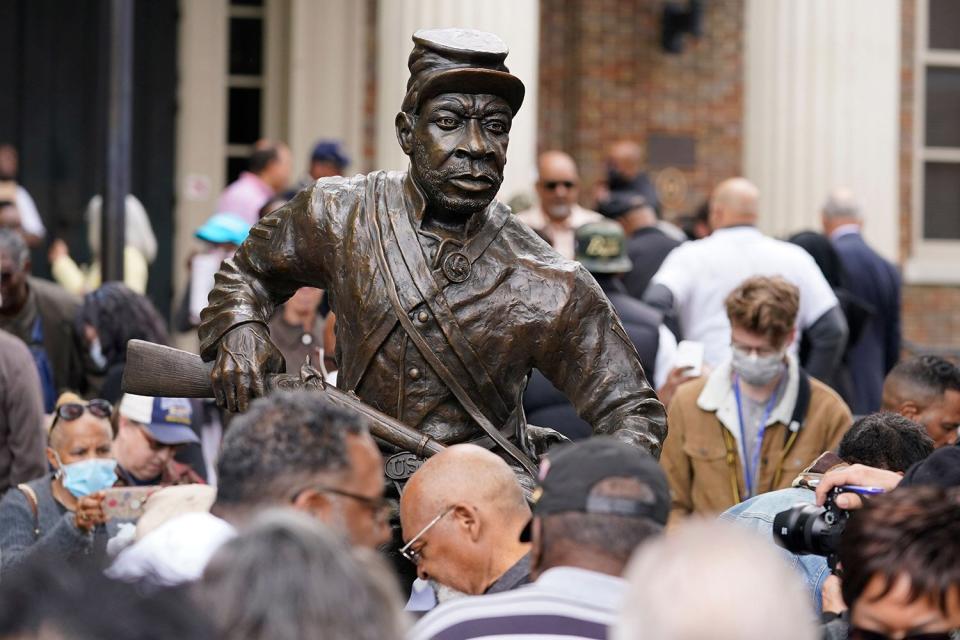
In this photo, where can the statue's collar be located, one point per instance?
(416, 203)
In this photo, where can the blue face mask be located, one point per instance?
(88, 476)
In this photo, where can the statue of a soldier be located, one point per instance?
(444, 301)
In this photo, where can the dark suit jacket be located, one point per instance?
(647, 248)
(877, 282)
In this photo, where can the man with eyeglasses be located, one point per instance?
(462, 513)
(597, 501)
(557, 215)
(291, 449)
(149, 433)
(757, 420)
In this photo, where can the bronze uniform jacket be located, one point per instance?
(520, 305)
(695, 456)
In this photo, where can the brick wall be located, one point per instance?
(604, 77)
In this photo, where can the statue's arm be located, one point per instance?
(591, 359)
(284, 251)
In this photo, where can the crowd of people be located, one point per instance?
(779, 365)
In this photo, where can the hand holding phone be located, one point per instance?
(690, 356)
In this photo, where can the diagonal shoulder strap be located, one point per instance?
(462, 395)
(31, 497)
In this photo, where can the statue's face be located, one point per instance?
(457, 144)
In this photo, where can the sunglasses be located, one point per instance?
(70, 411)
(379, 506)
(862, 634)
(413, 555)
(552, 185)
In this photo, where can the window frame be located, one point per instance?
(931, 261)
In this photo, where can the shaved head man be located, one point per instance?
(734, 202)
(926, 390)
(625, 173)
(462, 513)
(558, 215)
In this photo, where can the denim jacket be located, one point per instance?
(757, 514)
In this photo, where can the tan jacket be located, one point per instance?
(701, 454)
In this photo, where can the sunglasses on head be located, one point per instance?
(70, 411)
(553, 184)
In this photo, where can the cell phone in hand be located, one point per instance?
(126, 503)
(690, 354)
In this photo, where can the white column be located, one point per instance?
(822, 95)
(517, 22)
(327, 73)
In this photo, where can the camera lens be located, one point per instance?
(793, 528)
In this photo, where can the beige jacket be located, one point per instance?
(701, 455)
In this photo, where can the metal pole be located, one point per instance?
(119, 131)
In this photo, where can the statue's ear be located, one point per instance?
(404, 124)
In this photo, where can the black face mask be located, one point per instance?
(617, 181)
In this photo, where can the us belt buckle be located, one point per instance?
(401, 466)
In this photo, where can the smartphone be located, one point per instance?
(126, 503)
(690, 354)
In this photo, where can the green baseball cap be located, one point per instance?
(601, 248)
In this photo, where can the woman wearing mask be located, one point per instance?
(61, 514)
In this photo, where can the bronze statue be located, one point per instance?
(444, 301)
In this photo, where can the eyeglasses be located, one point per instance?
(380, 506)
(551, 185)
(70, 411)
(862, 634)
(762, 352)
(413, 555)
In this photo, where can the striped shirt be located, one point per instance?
(564, 603)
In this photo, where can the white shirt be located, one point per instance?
(560, 232)
(175, 552)
(701, 274)
(564, 602)
(29, 216)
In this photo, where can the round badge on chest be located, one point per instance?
(456, 266)
(306, 339)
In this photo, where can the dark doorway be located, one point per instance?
(52, 108)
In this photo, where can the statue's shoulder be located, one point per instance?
(535, 255)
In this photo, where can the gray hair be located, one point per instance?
(738, 586)
(841, 203)
(287, 577)
(13, 246)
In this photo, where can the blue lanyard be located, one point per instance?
(752, 463)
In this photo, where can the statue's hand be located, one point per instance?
(244, 357)
(542, 438)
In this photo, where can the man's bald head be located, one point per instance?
(462, 513)
(462, 473)
(734, 202)
(840, 209)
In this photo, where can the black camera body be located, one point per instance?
(809, 529)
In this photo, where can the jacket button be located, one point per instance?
(414, 373)
(422, 316)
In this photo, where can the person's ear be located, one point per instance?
(790, 337)
(909, 410)
(404, 123)
(467, 519)
(314, 503)
(52, 459)
(536, 548)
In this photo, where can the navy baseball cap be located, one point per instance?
(166, 419)
(329, 151)
(569, 473)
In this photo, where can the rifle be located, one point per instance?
(159, 371)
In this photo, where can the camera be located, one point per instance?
(809, 529)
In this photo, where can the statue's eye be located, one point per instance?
(447, 122)
(496, 126)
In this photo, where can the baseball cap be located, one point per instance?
(620, 203)
(601, 247)
(167, 419)
(570, 472)
(329, 151)
(224, 227)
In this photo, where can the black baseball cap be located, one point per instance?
(570, 472)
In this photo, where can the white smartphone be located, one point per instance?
(690, 354)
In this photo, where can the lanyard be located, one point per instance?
(751, 464)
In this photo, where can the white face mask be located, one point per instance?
(755, 369)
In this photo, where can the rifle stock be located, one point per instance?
(156, 370)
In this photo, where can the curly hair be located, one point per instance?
(885, 440)
(912, 531)
(120, 315)
(283, 439)
(764, 305)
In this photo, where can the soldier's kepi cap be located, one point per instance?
(570, 472)
(601, 247)
(166, 419)
(459, 61)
